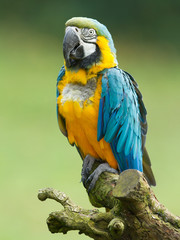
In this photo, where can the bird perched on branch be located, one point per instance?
(99, 107)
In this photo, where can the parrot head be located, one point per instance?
(88, 45)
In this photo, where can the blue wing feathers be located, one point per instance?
(119, 117)
(112, 128)
(129, 142)
(106, 112)
(122, 135)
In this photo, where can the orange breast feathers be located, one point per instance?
(79, 105)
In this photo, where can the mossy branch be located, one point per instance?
(134, 211)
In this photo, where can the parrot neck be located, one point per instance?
(107, 60)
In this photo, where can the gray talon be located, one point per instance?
(87, 167)
(104, 167)
(87, 178)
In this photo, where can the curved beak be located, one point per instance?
(72, 49)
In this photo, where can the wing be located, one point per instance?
(61, 120)
(142, 109)
(146, 160)
(119, 120)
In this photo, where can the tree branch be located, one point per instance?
(134, 211)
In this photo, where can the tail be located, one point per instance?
(147, 169)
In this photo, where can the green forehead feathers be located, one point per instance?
(82, 22)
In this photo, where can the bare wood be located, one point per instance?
(134, 214)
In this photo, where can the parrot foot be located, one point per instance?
(93, 177)
(86, 168)
(104, 167)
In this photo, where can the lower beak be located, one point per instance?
(72, 49)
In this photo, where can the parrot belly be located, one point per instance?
(79, 105)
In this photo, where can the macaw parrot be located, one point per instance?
(99, 106)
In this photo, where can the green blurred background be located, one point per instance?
(34, 154)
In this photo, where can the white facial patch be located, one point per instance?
(89, 48)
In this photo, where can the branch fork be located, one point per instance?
(134, 212)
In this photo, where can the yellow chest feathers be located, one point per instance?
(78, 96)
(79, 105)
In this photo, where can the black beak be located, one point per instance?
(72, 49)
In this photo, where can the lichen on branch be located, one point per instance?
(134, 211)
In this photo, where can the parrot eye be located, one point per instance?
(88, 34)
(92, 32)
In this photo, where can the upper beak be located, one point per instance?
(72, 49)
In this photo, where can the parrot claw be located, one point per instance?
(87, 167)
(104, 167)
(93, 177)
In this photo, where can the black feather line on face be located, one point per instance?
(93, 58)
(86, 62)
